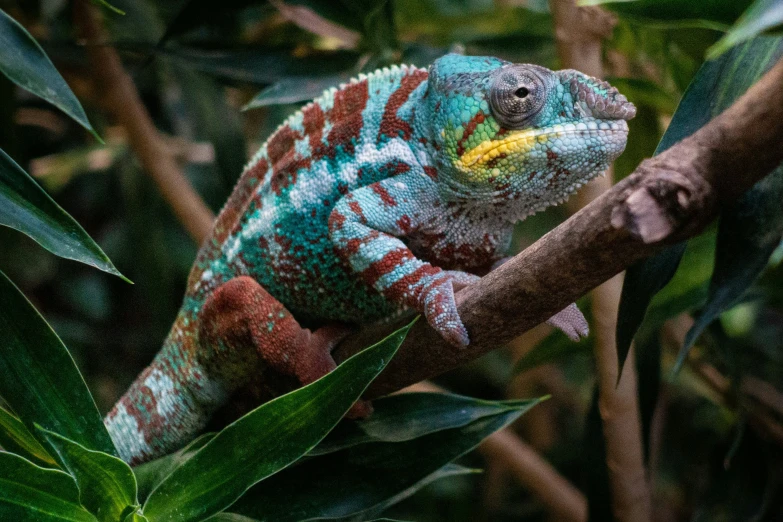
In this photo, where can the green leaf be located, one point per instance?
(24, 206)
(362, 480)
(642, 281)
(711, 14)
(16, 438)
(150, 474)
(554, 348)
(266, 440)
(761, 16)
(108, 6)
(30, 493)
(25, 63)
(107, 486)
(407, 416)
(294, 90)
(748, 232)
(716, 85)
(258, 65)
(38, 378)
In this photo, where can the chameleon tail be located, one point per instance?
(168, 404)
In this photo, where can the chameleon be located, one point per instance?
(381, 197)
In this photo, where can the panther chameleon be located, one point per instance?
(379, 198)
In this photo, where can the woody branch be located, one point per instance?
(669, 198)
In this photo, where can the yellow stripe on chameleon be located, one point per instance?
(519, 142)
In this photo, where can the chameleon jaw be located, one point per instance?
(522, 142)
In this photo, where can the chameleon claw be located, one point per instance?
(440, 307)
(571, 322)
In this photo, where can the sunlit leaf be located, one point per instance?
(286, 428)
(16, 438)
(30, 493)
(25, 207)
(38, 378)
(107, 487)
(761, 16)
(24, 62)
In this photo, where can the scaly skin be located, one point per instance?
(376, 199)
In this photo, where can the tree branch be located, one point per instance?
(684, 189)
(123, 101)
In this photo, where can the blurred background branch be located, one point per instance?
(122, 100)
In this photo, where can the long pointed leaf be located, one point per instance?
(761, 16)
(361, 480)
(107, 487)
(16, 438)
(150, 474)
(39, 379)
(408, 416)
(266, 440)
(717, 84)
(29, 493)
(748, 233)
(24, 206)
(25, 63)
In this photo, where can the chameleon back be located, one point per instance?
(275, 226)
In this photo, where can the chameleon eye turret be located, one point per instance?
(518, 93)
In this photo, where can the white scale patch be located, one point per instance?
(126, 435)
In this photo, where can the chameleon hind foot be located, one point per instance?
(241, 314)
(571, 322)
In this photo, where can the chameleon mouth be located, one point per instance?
(522, 142)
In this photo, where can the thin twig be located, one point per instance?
(760, 400)
(579, 33)
(123, 101)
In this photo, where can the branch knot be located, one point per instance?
(658, 206)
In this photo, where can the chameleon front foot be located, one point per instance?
(440, 307)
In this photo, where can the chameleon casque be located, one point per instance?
(377, 198)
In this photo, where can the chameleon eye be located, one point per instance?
(517, 94)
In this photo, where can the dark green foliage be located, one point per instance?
(195, 64)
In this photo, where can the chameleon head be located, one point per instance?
(520, 132)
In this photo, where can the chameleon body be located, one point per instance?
(377, 198)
